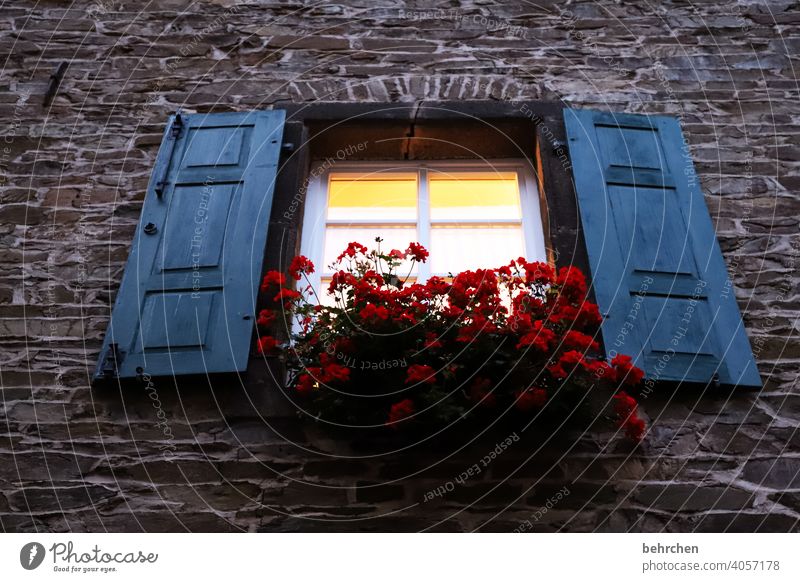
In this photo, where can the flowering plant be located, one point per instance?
(393, 352)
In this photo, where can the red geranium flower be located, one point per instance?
(557, 371)
(300, 265)
(626, 409)
(437, 286)
(266, 317)
(635, 428)
(345, 345)
(336, 372)
(538, 273)
(563, 312)
(432, 341)
(272, 278)
(420, 374)
(625, 372)
(331, 371)
(341, 279)
(530, 399)
(573, 282)
(589, 315)
(373, 312)
(579, 341)
(406, 318)
(569, 360)
(287, 295)
(352, 250)
(624, 405)
(599, 369)
(566, 365)
(399, 411)
(305, 384)
(267, 345)
(540, 338)
(417, 252)
(479, 325)
(505, 272)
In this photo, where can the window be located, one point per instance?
(468, 215)
(650, 246)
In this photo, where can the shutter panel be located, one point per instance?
(657, 271)
(187, 300)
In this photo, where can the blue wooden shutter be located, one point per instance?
(657, 271)
(187, 300)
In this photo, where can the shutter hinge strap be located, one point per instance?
(173, 134)
(177, 125)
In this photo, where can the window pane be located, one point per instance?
(455, 249)
(373, 197)
(394, 237)
(483, 196)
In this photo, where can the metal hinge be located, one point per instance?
(112, 360)
(177, 125)
(165, 156)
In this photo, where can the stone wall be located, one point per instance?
(74, 174)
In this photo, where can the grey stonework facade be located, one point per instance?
(229, 457)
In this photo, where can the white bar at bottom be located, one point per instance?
(400, 557)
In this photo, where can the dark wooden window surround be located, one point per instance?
(418, 131)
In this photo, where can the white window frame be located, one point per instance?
(315, 213)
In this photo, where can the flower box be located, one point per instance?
(514, 344)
